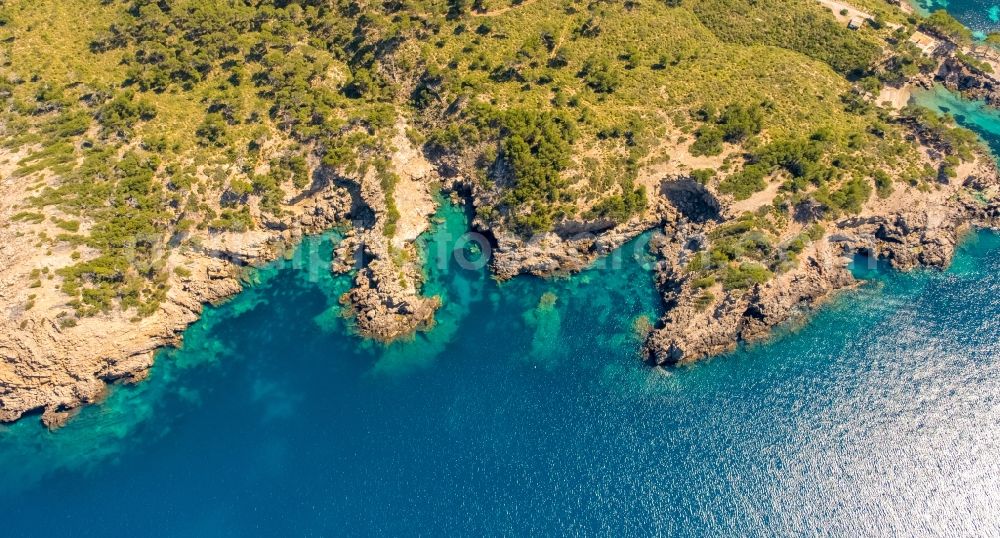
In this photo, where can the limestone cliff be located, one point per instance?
(52, 365)
(909, 229)
(386, 300)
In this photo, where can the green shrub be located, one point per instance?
(799, 25)
(704, 300)
(601, 75)
(536, 147)
(707, 142)
(119, 116)
(745, 275)
(620, 207)
(943, 24)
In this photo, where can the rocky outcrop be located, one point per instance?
(386, 302)
(690, 332)
(923, 233)
(906, 240)
(551, 253)
(910, 229)
(972, 82)
(52, 365)
(572, 246)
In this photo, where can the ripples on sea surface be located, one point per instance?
(982, 16)
(527, 410)
(518, 415)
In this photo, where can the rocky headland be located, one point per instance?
(386, 301)
(909, 230)
(53, 365)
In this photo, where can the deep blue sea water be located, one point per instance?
(527, 410)
(979, 15)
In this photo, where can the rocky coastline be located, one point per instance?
(972, 82)
(908, 231)
(52, 367)
(552, 254)
(72, 366)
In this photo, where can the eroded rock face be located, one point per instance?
(906, 240)
(690, 333)
(691, 199)
(549, 254)
(572, 247)
(56, 368)
(909, 230)
(921, 233)
(53, 366)
(386, 302)
(958, 76)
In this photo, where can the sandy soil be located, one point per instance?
(897, 98)
(681, 163)
(412, 193)
(837, 7)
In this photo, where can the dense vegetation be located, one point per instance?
(941, 23)
(149, 122)
(800, 26)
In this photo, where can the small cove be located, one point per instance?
(527, 410)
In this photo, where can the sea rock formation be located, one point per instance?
(689, 333)
(908, 230)
(974, 83)
(554, 253)
(386, 300)
(55, 366)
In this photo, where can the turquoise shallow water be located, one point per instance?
(518, 415)
(527, 410)
(974, 115)
(979, 15)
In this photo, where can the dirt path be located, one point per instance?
(559, 41)
(501, 11)
(837, 7)
(411, 193)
